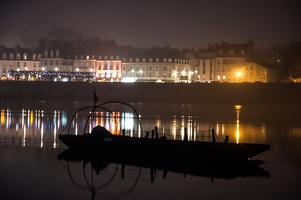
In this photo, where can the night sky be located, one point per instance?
(150, 23)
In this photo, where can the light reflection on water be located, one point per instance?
(29, 147)
(28, 127)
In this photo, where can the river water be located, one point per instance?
(29, 150)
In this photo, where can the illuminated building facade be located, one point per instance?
(227, 63)
(156, 70)
(18, 59)
(255, 73)
(108, 69)
(223, 62)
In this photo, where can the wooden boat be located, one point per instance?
(101, 140)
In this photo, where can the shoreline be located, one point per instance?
(213, 93)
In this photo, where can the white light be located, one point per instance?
(128, 79)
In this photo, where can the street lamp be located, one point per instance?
(238, 74)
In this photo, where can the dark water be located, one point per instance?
(29, 149)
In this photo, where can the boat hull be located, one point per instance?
(123, 145)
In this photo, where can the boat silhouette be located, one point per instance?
(102, 140)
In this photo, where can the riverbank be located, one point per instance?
(220, 93)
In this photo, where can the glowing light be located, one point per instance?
(238, 74)
(31, 117)
(237, 108)
(42, 135)
(2, 116)
(128, 79)
(53, 73)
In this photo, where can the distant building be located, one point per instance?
(108, 69)
(18, 59)
(255, 73)
(156, 69)
(232, 63)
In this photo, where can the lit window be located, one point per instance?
(57, 53)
